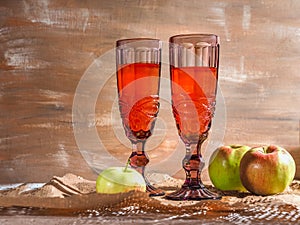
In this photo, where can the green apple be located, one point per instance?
(224, 166)
(119, 179)
(267, 170)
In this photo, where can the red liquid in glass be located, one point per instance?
(193, 100)
(138, 86)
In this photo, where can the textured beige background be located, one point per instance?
(46, 46)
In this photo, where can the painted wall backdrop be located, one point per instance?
(47, 46)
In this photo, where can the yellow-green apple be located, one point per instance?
(119, 179)
(224, 166)
(267, 170)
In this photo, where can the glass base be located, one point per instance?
(193, 193)
(153, 191)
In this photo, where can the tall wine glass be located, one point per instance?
(138, 76)
(194, 60)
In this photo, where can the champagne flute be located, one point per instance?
(138, 78)
(194, 60)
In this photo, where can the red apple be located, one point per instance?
(224, 167)
(267, 170)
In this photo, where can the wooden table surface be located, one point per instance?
(55, 53)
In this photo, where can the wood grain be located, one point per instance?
(46, 47)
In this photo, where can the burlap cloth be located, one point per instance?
(76, 194)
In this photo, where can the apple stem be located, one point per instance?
(127, 164)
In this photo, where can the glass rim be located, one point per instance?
(131, 40)
(193, 35)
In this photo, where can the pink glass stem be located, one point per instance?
(138, 160)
